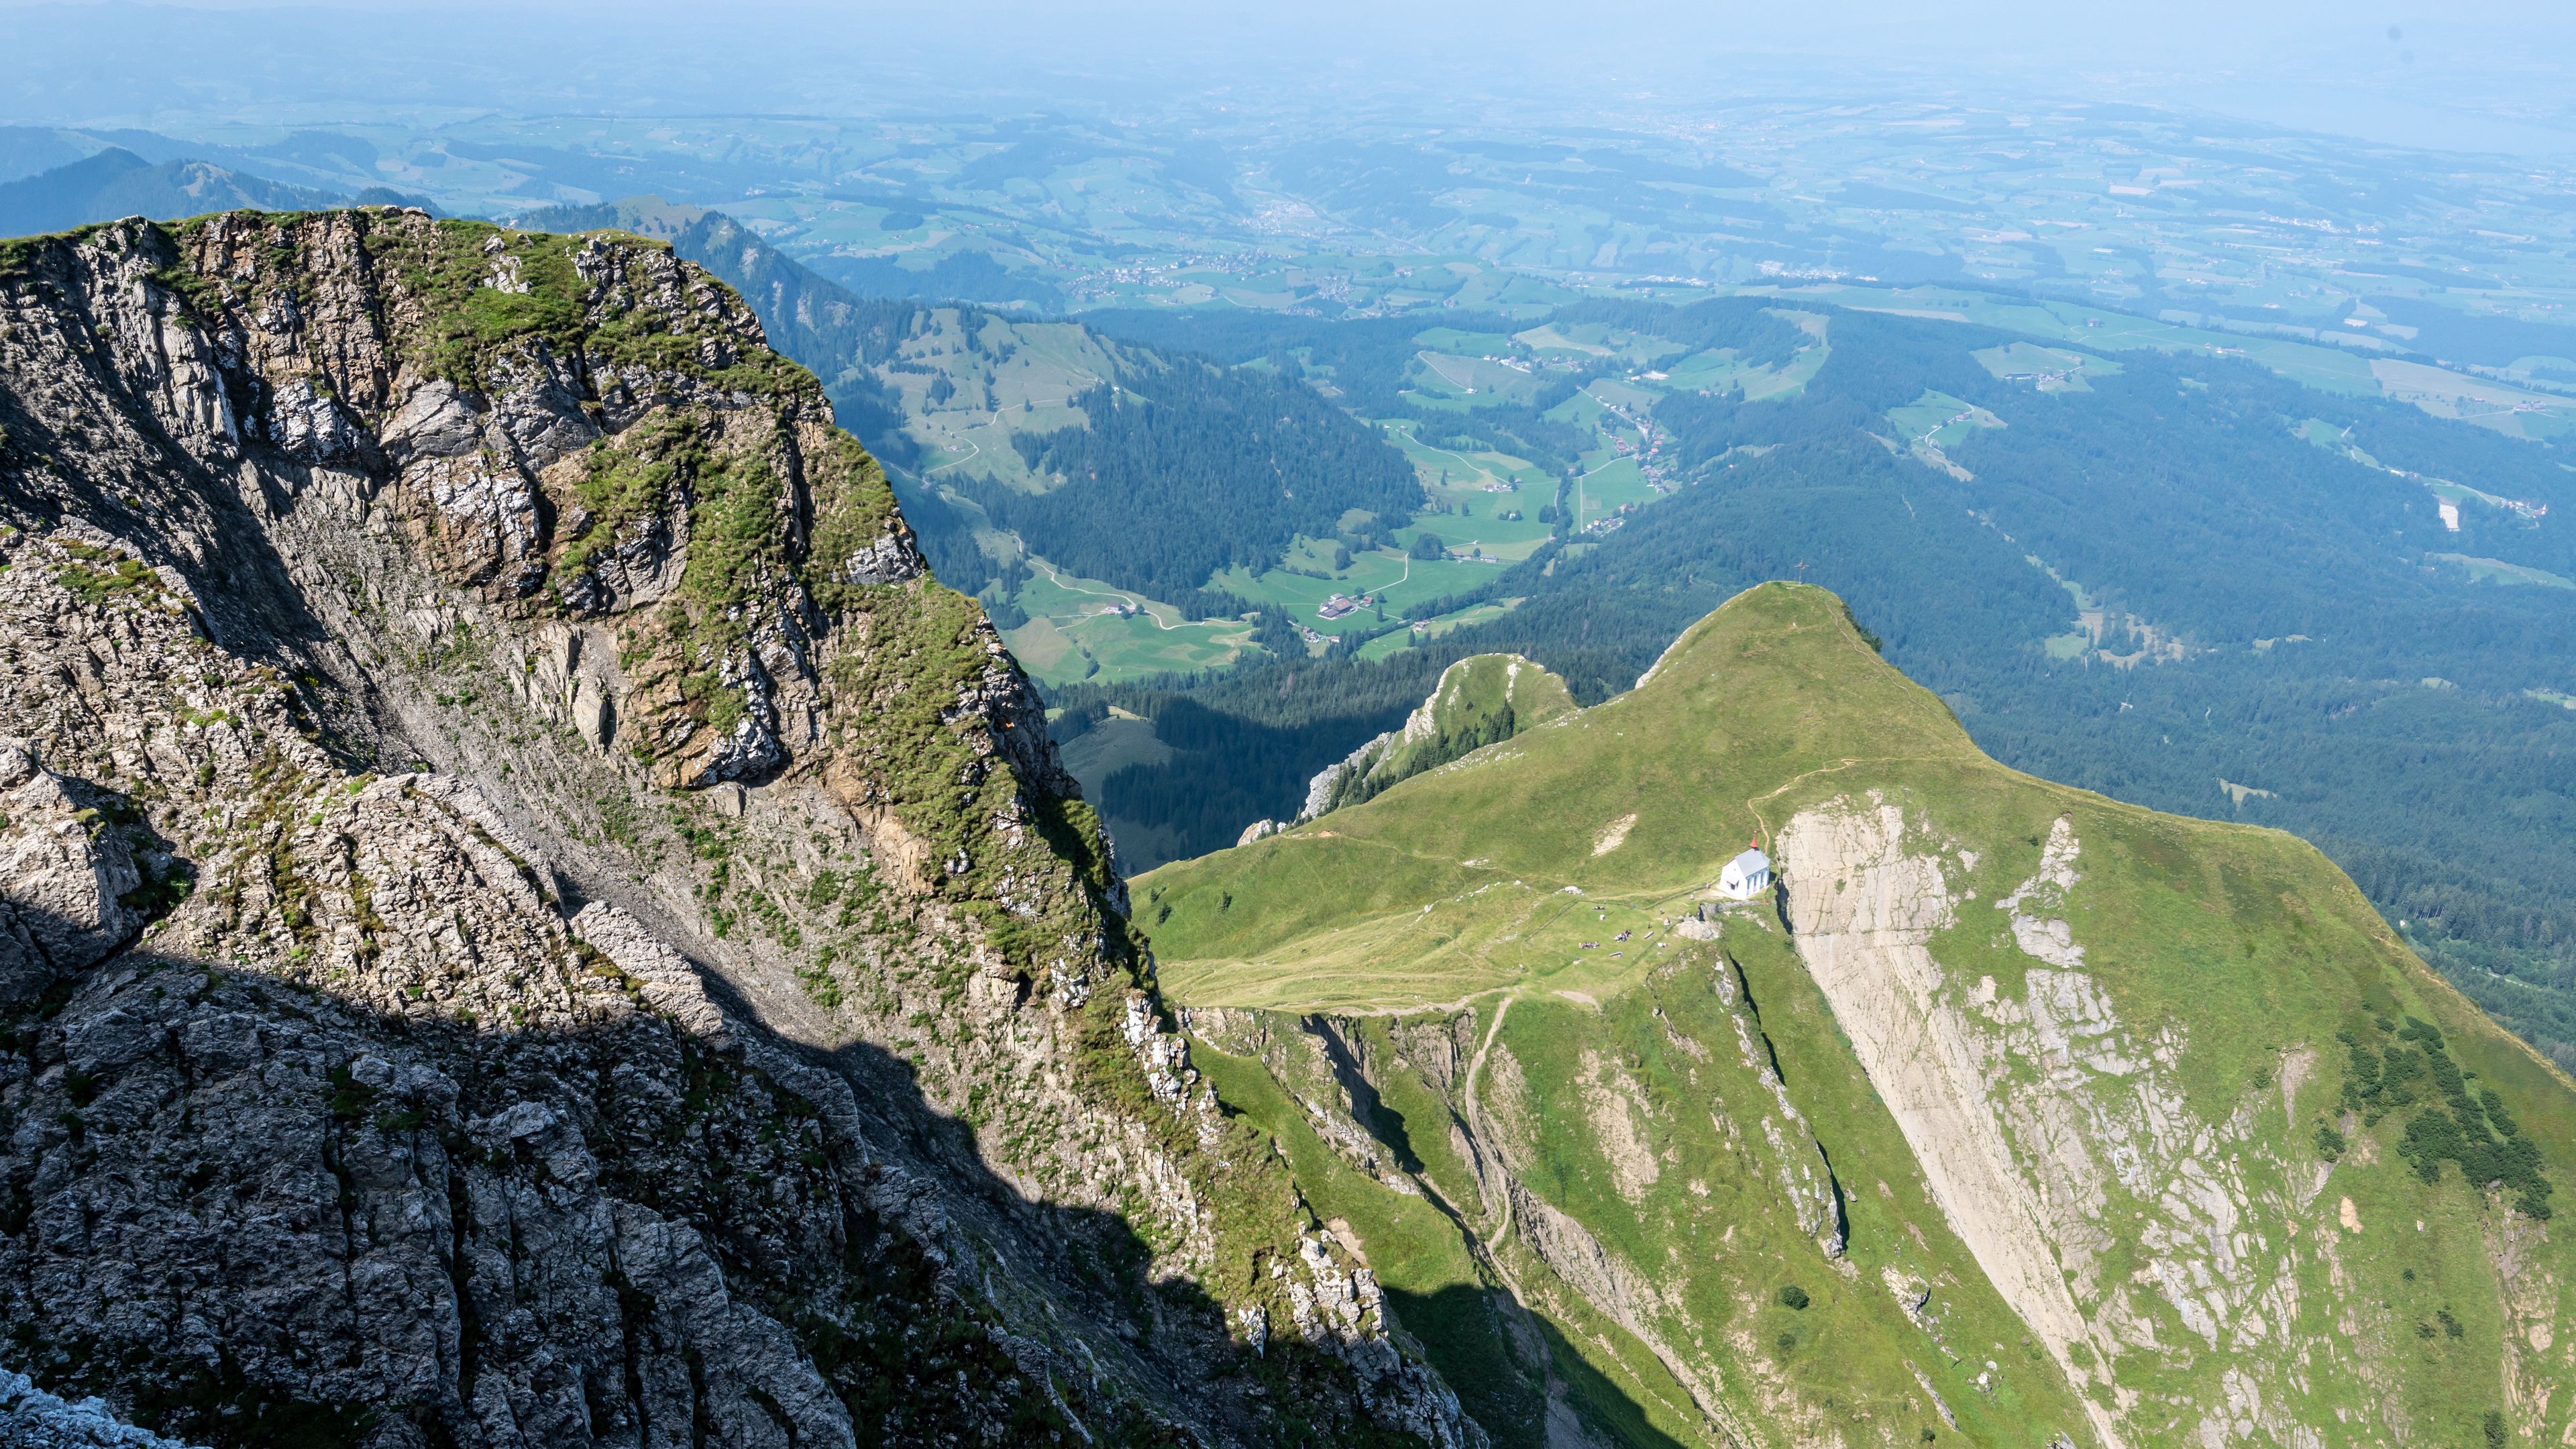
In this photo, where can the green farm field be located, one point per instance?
(1428, 629)
(1401, 581)
(1083, 629)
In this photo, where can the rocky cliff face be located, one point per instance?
(2135, 1229)
(1488, 1173)
(529, 920)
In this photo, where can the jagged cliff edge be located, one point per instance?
(531, 920)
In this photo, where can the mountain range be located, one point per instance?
(533, 918)
(2159, 571)
(115, 182)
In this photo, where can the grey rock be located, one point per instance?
(30, 1418)
(891, 559)
(309, 424)
(328, 1092)
(434, 422)
(65, 874)
(220, 1044)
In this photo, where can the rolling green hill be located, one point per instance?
(2012, 1112)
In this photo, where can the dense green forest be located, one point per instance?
(1748, 325)
(2300, 636)
(1198, 468)
(1524, 430)
(1366, 362)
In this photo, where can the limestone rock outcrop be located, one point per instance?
(527, 919)
(1480, 700)
(68, 874)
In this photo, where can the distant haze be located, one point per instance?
(2459, 76)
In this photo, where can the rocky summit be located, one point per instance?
(530, 921)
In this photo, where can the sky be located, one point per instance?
(2473, 74)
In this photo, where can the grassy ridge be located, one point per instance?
(2251, 1013)
(1693, 759)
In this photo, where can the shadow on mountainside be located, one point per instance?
(1514, 1371)
(206, 1163)
(1500, 1358)
(246, 596)
(290, 1190)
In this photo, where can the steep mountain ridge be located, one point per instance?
(1479, 701)
(2060, 1117)
(534, 921)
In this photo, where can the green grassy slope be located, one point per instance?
(2179, 1141)
(1466, 881)
(1481, 700)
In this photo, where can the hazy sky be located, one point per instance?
(2458, 75)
